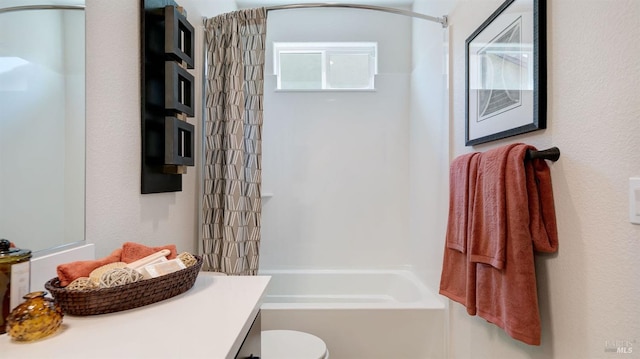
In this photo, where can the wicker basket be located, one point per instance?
(123, 297)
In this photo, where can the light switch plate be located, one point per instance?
(634, 200)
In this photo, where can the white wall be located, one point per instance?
(589, 290)
(116, 211)
(337, 162)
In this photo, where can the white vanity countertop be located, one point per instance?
(209, 320)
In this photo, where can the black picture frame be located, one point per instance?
(506, 73)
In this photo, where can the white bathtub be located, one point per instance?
(358, 313)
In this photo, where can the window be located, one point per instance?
(303, 66)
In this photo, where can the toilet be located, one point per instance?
(291, 344)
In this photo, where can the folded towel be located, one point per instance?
(544, 230)
(489, 219)
(69, 272)
(459, 197)
(506, 292)
(457, 281)
(488, 265)
(131, 251)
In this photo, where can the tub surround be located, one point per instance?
(373, 313)
(348, 289)
(210, 320)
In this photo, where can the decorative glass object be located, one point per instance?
(14, 278)
(34, 319)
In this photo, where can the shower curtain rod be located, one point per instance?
(441, 20)
(42, 7)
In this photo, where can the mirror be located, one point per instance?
(42, 124)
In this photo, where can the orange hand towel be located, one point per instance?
(457, 280)
(69, 272)
(131, 251)
(506, 292)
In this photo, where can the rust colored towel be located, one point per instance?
(131, 251)
(503, 243)
(489, 219)
(457, 281)
(69, 272)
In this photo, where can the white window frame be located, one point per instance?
(325, 49)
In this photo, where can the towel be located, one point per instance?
(131, 251)
(462, 171)
(69, 272)
(489, 219)
(503, 242)
(457, 281)
(499, 215)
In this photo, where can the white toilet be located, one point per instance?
(291, 344)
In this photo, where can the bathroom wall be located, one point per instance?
(589, 290)
(337, 163)
(116, 211)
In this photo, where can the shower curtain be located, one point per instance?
(233, 141)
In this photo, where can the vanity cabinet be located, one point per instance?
(251, 348)
(218, 318)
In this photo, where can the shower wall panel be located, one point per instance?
(337, 163)
(428, 144)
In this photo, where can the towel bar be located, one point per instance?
(551, 154)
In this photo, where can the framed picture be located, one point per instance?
(506, 73)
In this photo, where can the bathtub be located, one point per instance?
(358, 313)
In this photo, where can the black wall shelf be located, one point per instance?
(178, 37)
(178, 89)
(178, 146)
(167, 92)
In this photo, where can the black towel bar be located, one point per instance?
(551, 154)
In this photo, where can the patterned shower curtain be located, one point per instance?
(233, 141)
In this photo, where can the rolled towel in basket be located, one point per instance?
(130, 252)
(69, 272)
